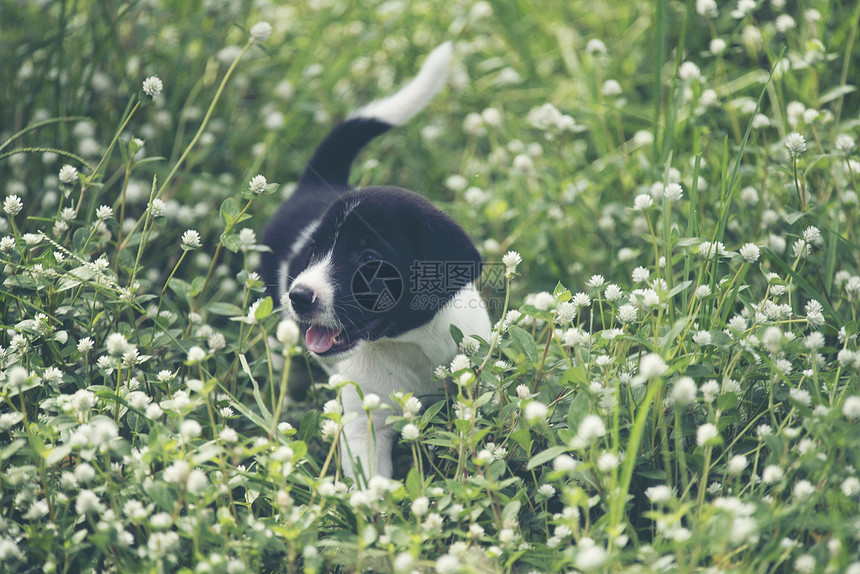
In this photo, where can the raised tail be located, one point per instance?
(333, 158)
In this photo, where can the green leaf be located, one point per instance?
(229, 212)
(546, 456)
(512, 509)
(561, 294)
(413, 483)
(231, 241)
(264, 309)
(456, 334)
(225, 309)
(431, 412)
(834, 93)
(524, 342)
(579, 407)
(309, 425)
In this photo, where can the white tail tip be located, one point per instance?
(414, 96)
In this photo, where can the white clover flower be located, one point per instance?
(750, 252)
(196, 354)
(535, 410)
(737, 464)
(706, 433)
(590, 429)
(88, 502)
(641, 275)
(659, 494)
(460, 362)
(420, 506)
(116, 344)
(288, 333)
(190, 429)
(13, 205)
(371, 402)
(814, 341)
(772, 473)
(248, 238)
(851, 407)
(673, 192)
(711, 250)
(684, 391)
(642, 202)
(191, 239)
(717, 46)
(844, 143)
(613, 292)
(411, 407)
(607, 462)
(707, 8)
(410, 432)
(158, 208)
(68, 174)
(523, 392)
(702, 338)
(258, 184)
(652, 366)
(152, 86)
(795, 143)
(784, 23)
(565, 313)
(492, 117)
(85, 345)
(611, 88)
(197, 482)
(104, 212)
(511, 259)
(627, 313)
(805, 564)
(261, 31)
(596, 281)
(689, 71)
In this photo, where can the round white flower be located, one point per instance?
(191, 239)
(152, 86)
(750, 252)
(288, 333)
(258, 184)
(261, 31)
(795, 143)
(684, 391)
(737, 464)
(652, 365)
(706, 433)
(13, 205)
(68, 174)
(851, 407)
(535, 410)
(410, 432)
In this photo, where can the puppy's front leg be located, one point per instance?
(371, 451)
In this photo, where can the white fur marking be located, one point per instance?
(403, 363)
(317, 278)
(414, 96)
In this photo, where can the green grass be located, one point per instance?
(693, 408)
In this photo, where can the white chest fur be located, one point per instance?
(405, 363)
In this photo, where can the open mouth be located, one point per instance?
(327, 341)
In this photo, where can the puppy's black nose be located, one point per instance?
(304, 300)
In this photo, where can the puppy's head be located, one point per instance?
(382, 261)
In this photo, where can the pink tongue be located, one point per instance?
(320, 339)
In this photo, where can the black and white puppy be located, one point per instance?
(376, 276)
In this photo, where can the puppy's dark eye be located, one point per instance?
(369, 255)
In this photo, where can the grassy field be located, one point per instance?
(665, 194)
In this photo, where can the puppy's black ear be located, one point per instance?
(447, 261)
